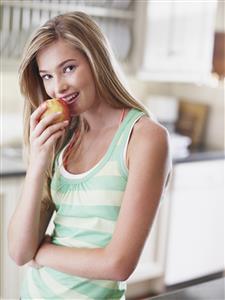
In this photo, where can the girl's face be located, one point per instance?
(66, 74)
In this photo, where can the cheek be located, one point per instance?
(48, 89)
(93, 87)
(79, 80)
(83, 77)
(90, 84)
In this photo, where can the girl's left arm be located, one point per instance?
(149, 169)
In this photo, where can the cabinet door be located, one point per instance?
(178, 40)
(148, 275)
(11, 274)
(195, 238)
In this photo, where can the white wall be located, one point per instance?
(11, 109)
(212, 96)
(12, 101)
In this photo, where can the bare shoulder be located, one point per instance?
(149, 149)
(148, 134)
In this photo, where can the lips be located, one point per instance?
(69, 99)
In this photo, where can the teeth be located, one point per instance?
(71, 97)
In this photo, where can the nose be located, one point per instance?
(61, 87)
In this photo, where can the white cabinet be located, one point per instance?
(149, 273)
(168, 41)
(186, 241)
(175, 40)
(195, 236)
(11, 275)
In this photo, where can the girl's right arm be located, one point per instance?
(30, 219)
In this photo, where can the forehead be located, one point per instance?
(56, 52)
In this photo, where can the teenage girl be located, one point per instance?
(103, 173)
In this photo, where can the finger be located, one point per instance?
(44, 123)
(50, 130)
(35, 116)
(53, 138)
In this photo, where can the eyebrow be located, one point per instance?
(60, 65)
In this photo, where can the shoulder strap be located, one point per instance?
(135, 115)
(126, 128)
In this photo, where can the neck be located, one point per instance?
(102, 117)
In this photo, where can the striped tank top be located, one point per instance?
(87, 208)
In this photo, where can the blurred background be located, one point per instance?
(173, 60)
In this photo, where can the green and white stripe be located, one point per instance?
(88, 207)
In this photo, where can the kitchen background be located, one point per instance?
(171, 56)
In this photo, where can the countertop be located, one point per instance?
(13, 165)
(211, 290)
(200, 155)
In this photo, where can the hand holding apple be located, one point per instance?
(57, 105)
(46, 127)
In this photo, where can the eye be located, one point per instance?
(69, 68)
(46, 77)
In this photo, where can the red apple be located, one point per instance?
(57, 105)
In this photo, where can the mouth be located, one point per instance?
(70, 99)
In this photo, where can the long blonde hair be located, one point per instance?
(80, 31)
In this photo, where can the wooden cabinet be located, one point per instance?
(195, 235)
(11, 274)
(175, 40)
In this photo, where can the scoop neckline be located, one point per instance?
(87, 174)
